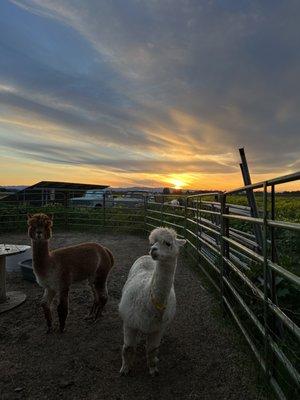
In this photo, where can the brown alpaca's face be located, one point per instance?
(39, 226)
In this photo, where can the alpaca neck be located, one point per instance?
(162, 280)
(40, 254)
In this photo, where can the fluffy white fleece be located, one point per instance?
(148, 300)
(136, 307)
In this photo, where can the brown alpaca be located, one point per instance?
(56, 270)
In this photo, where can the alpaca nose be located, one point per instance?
(153, 251)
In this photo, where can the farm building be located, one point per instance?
(49, 192)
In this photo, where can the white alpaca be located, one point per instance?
(148, 300)
(174, 203)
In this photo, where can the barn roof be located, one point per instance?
(61, 186)
(65, 186)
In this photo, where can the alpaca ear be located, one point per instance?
(181, 242)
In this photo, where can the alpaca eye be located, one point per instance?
(168, 244)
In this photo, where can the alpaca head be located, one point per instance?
(39, 226)
(164, 244)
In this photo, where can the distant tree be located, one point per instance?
(177, 191)
(166, 190)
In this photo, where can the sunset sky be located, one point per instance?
(148, 92)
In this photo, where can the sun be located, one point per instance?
(177, 183)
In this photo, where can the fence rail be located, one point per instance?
(240, 254)
(233, 260)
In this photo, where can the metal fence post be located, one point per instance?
(266, 281)
(104, 213)
(197, 230)
(222, 199)
(161, 211)
(224, 245)
(199, 222)
(185, 225)
(185, 217)
(66, 204)
(218, 218)
(276, 324)
(145, 214)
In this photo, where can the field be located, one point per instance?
(287, 206)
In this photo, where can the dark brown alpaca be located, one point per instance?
(56, 270)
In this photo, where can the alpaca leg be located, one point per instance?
(62, 308)
(101, 296)
(46, 305)
(153, 342)
(92, 309)
(129, 349)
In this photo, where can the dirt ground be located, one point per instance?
(200, 356)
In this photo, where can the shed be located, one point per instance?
(49, 192)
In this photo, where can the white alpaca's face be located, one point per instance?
(164, 244)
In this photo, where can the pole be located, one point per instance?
(145, 213)
(251, 197)
(266, 285)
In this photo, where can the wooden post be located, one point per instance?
(2, 280)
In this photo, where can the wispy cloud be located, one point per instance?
(151, 87)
